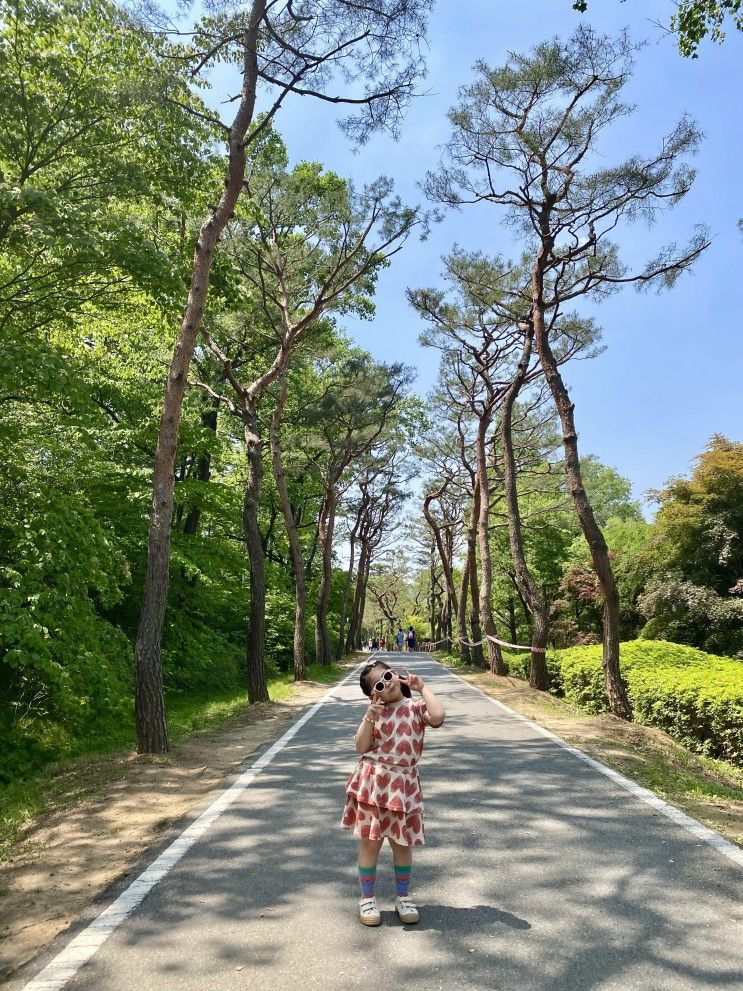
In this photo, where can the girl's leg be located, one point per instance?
(367, 865)
(402, 857)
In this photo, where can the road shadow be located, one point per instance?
(448, 918)
(604, 892)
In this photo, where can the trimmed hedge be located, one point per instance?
(696, 698)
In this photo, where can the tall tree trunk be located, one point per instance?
(478, 655)
(311, 556)
(512, 618)
(149, 704)
(446, 564)
(326, 525)
(432, 598)
(483, 525)
(451, 598)
(295, 549)
(357, 610)
(438, 614)
(362, 599)
(616, 692)
(464, 650)
(355, 623)
(346, 598)
(346, 641)
(528, 588)
(354, 629)
(256, 633)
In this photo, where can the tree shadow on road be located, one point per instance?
(615, 895)
(443, 918)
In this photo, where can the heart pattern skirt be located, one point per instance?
(385, 801)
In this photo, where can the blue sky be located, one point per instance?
(671, 374)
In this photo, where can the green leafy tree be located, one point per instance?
(698, 530)
(695, 553)
(578, 606)
(359, 401)
(97, 165)
(683, 612)
(525, 138)
(306, 244)
(367, 57)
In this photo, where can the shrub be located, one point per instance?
(696, 698)
(518, 664)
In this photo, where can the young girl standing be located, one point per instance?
(383, 795)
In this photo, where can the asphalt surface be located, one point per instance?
(538, 873)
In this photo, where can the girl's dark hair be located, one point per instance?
(366, 682)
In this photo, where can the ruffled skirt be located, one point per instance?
(385, 800)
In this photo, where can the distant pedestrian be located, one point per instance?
(411, 638)
(400, 639)
(383, 795)
(382, 643)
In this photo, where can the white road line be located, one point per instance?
(723, 846)
(80, 949)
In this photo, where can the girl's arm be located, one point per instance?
(365, 733)
(436, 711)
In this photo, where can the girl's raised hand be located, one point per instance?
(375, 708)
(414, 681)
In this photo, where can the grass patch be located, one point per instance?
(97, 759)
(681, 775)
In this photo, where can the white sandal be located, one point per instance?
(407, 910)
(368, 912)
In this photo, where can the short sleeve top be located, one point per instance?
(398, 733)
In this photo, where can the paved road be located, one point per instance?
(538, 873)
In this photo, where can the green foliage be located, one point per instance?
(518, 664)
(695, 697)
(694, 20)
(63, 666)
(698, 530)
(280, 618)
(559, 559)
(107, 164)
(98, 171)
(578, 607)
(98, 160)
(609, 492)
(692, 614)
(694, 554)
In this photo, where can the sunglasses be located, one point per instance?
(384, 681)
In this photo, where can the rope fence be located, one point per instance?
(431, 645)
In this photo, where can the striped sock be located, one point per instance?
(367, 876)
(402, 879)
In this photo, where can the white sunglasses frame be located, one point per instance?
(384, 681)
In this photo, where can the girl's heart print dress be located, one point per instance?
(383, 795)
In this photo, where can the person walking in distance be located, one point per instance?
(400, 639)
(383, 794)
(411, 638)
